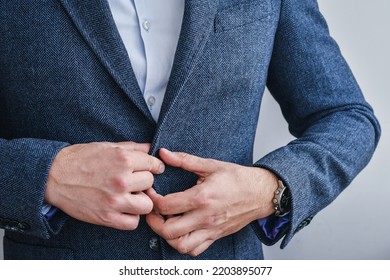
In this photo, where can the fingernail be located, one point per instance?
(161, 168)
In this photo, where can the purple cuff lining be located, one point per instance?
(272, 225)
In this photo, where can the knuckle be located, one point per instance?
(118, 182)
(149, 179)
(121, 156)
(182, 247)
(159, 206)
(167, 234)
(112, 202)
(148, 206)
(106, 218)
(184, 155)
(145, 208)
(150, 163)
(162, 209)
(133, 224)
(202, 200)
(209, 221)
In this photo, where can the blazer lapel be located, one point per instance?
(94, 21)
(197, 24)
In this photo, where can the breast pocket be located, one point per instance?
(244, 13)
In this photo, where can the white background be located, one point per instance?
(356, 225)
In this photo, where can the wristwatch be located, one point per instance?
(281, 200)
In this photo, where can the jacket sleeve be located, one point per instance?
(24, 167)
(336, 131)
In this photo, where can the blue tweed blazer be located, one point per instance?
(65, 78)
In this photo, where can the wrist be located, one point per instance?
(56, 174)
(266, 184)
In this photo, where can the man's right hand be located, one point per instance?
(103, 183)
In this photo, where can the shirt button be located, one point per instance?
(154, 244)
(151, 100)
(146, 25)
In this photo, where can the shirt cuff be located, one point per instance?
(272, 225)
(48, 211)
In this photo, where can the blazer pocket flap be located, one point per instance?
(242, 14)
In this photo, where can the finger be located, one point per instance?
(138, 181)
(156, 222)
(197, 165)
(133, 146)
(128, 182)
(160, 225)
(122, 221)
(154, 196)
(136, 204)
(201, 248)
(180, 202)
(140, 161)
(177, 226)
(192, 241)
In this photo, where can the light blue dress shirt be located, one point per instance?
(150, 31)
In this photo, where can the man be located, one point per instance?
(120, 143)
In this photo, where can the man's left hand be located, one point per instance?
(226, 198)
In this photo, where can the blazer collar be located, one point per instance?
(197, 24)
(95, 23)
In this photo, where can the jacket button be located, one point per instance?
(13, 225)
(23, 226)
(154, 243)
(304, 223)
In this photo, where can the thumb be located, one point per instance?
(154, 196)
(194, 164)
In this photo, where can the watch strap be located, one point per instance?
(281, 200)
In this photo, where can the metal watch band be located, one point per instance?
(277, 200)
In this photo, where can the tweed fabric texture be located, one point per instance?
(65, 78)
